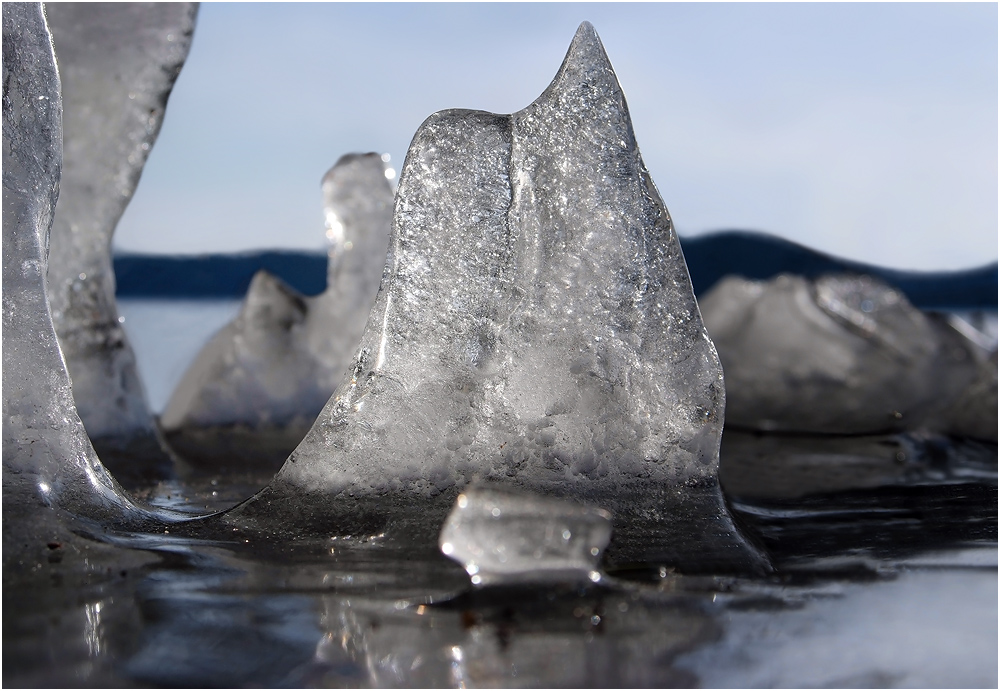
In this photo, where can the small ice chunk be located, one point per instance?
(841, 354)
(117, 63)
(502, 537)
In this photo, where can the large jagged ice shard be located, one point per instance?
(842, 354)
(117, 63)
(48, 461)
(501, 537)
(537, 330)
(258, 385)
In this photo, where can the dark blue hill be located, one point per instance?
(212, 276)
(709, 258)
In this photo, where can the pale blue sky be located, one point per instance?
(865, 130)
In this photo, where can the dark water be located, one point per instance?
(888, 578)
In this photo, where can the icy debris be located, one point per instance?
(841, 354)
(117, 63)
(536, 329)
(974, 412)
(501, 537)
(273, 368)
(47, 458)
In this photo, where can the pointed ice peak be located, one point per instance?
(357, 206)
(586, 48)
(586, 67)
(536, 329)
(269, 299)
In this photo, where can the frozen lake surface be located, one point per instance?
(888, 579)
(166, 336)
(895, 587)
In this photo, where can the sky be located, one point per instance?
(868, 131)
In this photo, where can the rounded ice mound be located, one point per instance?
(841, 354)
(536, 329)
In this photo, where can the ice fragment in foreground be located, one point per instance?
(256, 388)
(842, 354)
(536, 329)
(117, 63)
(501, 537)
(47, 458)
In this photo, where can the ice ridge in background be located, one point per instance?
(117, 64)
(48, 461)
(536, 330)
(256, 388)
(758, 256)
(845, 354)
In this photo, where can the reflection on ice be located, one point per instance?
(553, 638)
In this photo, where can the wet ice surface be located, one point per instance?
(886, 586)
(867, 635)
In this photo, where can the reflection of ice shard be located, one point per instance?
(536, 329)
(501, 537)
(255, 389)
(841, 354)
(531, 638)
(47, 458)
(117, 64)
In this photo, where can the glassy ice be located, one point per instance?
(48, 460)
(843, 354)
(259, 384)
(117, 64)
(502, 537)
(536, 329)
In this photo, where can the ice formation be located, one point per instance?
(536, 330)
(255, 389)
(501, 537)
(842, 354)
(117, 63)
(48, 460)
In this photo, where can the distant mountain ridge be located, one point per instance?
(709, 257)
